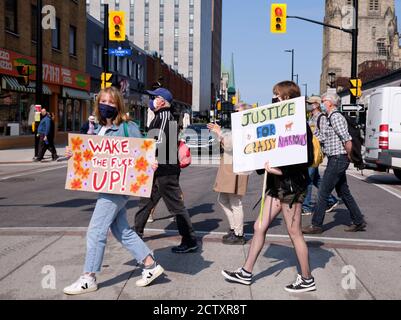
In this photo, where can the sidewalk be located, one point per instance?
(37, 263)
(25, 155)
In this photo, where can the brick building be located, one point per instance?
(66, 84)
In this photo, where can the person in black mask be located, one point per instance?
(110, 211)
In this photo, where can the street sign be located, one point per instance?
(353, 108)
(120, 52)
(356, 87)
(105, 77)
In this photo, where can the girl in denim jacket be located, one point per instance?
(110, 210)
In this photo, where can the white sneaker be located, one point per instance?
(84, 284)
(148, 275)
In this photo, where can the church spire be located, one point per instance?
(231, 78)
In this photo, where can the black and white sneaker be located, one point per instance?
(240, 276)
(301, 285)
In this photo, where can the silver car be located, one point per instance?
(200, 140)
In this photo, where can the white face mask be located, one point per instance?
(309, 107)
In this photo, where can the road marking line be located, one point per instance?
(29, 173)
(213, 233)
(385, 188)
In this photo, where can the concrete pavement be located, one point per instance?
(37, 263)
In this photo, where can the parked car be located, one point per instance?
(383, 130)
(200, 140)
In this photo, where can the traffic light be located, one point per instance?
(117, 26)
(234, 100)
(278, 18)
(218, 105)
(23, 78)
(356, 87)
(105, 80)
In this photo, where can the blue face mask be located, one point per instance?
(107, 111)
(323, 107)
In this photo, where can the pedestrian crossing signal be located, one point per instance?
(23, 78)
(278, 18)
(117, 26)
(105, 80)
(356, 87)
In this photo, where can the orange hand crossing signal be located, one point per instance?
(278, 18)
(117, 26)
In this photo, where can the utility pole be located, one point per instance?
(106, 39)
(306, 89)
(39, 53)
(354, 61)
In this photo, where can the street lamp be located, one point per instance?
(292, 63)
(306, 89)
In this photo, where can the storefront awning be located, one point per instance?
(75, 94)
(11, 83)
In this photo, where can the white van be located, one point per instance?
(383, 130)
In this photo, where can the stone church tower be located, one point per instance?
(378, 38)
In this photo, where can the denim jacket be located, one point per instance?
(118, 131)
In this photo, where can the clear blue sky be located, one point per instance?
(259, 57)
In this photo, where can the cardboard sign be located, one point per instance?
(115, 165)
(274, 133)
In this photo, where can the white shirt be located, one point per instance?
(103, 130)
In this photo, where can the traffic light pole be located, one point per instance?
(106, 39)
(39, 53)
(353, 32)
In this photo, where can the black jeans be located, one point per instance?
(335, 177)
(167, 188)
(43, 146)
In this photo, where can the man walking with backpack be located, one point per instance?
(337, 146)
(166, 179)
(316, 121)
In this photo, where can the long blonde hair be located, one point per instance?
(119, 102)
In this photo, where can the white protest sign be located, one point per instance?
(274, 133)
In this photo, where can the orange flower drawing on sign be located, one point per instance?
(76, 184)
(76, 143)
(141, 164)
(147, 145)
(78, 157)
(78, 168)
(135, 188)
(88, 155)
(142, 179)
(85, 173)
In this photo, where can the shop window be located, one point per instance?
(61, 116)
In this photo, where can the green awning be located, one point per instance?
(11, 83)
(76, 94)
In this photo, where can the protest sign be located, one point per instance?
(111, 165)
(274, 133)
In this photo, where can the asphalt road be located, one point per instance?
(30, 198)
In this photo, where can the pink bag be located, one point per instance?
(184, 155)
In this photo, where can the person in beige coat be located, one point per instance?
(230, 186)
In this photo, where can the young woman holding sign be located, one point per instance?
(286, 187)
(110, 211)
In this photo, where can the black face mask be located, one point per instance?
(107, 111)
(275, 100)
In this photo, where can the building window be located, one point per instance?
(373, 32)
(11, 15)
(374, 5)
(88, 6)
(381, 47)
(34, 34)
(117, 5)
(56, 35)
(102, 11)
(73, 40)
(97, 55)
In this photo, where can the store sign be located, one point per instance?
(52, 74)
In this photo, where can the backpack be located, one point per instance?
(184, 155)
(310, 145)
(355, 132)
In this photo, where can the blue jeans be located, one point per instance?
(110, 213)
(335, 177)
(315, 180)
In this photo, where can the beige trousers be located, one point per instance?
(232, 207)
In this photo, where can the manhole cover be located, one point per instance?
(17, 180)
